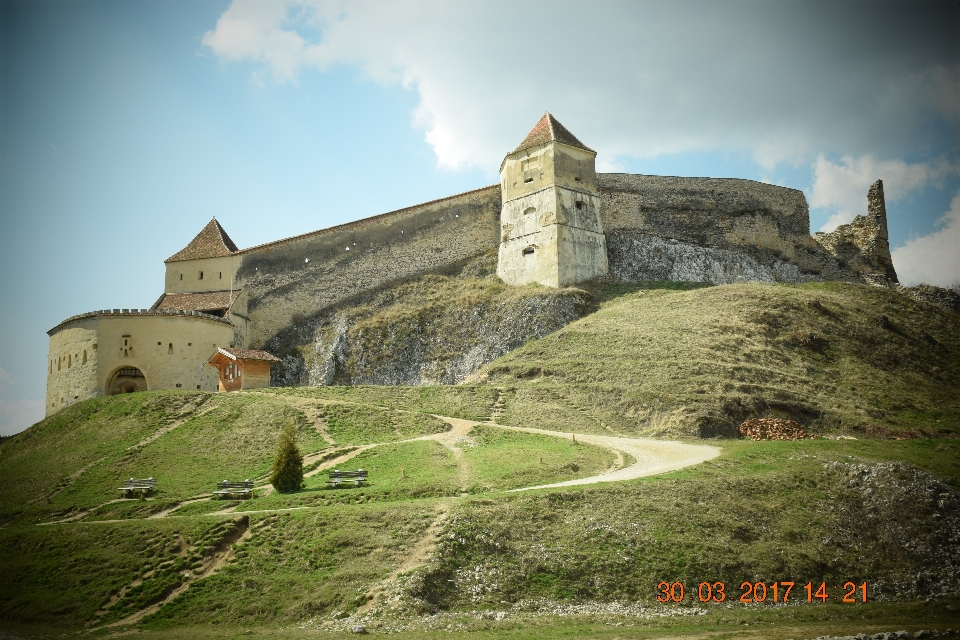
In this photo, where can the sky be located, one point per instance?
(125, 126)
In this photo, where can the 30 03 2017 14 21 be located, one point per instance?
(757, 592)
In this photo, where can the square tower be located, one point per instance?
(550, 220)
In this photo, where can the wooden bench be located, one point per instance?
(226, 488)
(142, 486)
(336, 476)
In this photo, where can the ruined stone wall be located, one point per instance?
(863, 245)
(292, 279)
(719, 229)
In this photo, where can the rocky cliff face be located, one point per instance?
(636, 256)
(436, 329)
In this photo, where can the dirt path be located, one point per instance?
(188, 411)
(221, 556)
(309, 408)
(652, 456)
(415, 556)
(453, 440)
(174, 507)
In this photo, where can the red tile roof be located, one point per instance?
(548, 129)
(250, 354)
(206, 301)
(211, 242)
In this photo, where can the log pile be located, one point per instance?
(773, 429)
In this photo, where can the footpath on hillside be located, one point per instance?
(652, 457)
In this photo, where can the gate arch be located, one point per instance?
(126, 380)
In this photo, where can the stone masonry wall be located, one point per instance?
(716, 229)
(863, 245)
(296, 278)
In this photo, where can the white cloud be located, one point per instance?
(844, 186)
(629, 78)
(933, 258)
(19, 414)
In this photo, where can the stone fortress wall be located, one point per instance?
(727, 230)
(653, 228)
(657, 228)
(300, 276)
(96, 353)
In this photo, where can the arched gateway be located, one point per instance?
(127, 380)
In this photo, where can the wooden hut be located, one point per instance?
(242, 368)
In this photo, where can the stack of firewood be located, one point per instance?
(773, 429)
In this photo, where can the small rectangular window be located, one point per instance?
(178, 385)
(201, 276)
(527, 180)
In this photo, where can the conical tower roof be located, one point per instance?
(211, 242)
(549, 129)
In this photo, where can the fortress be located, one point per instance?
(552, 218)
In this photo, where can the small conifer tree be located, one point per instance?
(287, 474)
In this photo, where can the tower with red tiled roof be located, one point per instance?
(550, 220)
(208, 264)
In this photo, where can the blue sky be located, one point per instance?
(125, 126)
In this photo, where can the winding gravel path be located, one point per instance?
(652, 456)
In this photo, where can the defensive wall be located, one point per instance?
(722, 230)
(297, 277)
(727, 230)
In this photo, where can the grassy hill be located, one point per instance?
(436, 543)
(835, 357)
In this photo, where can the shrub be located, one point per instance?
(287, 473)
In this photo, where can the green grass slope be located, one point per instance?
(78, 458)
(663, 361)
(435, 543)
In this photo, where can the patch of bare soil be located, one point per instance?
(310, 408)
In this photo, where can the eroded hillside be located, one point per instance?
(433, 329)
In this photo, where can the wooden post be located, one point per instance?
(574, 438)
(541, 459)
(403, 474)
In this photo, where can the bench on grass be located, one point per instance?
(336, 476)
(141, 486)
(226, 488)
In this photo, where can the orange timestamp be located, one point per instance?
(756, 592)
